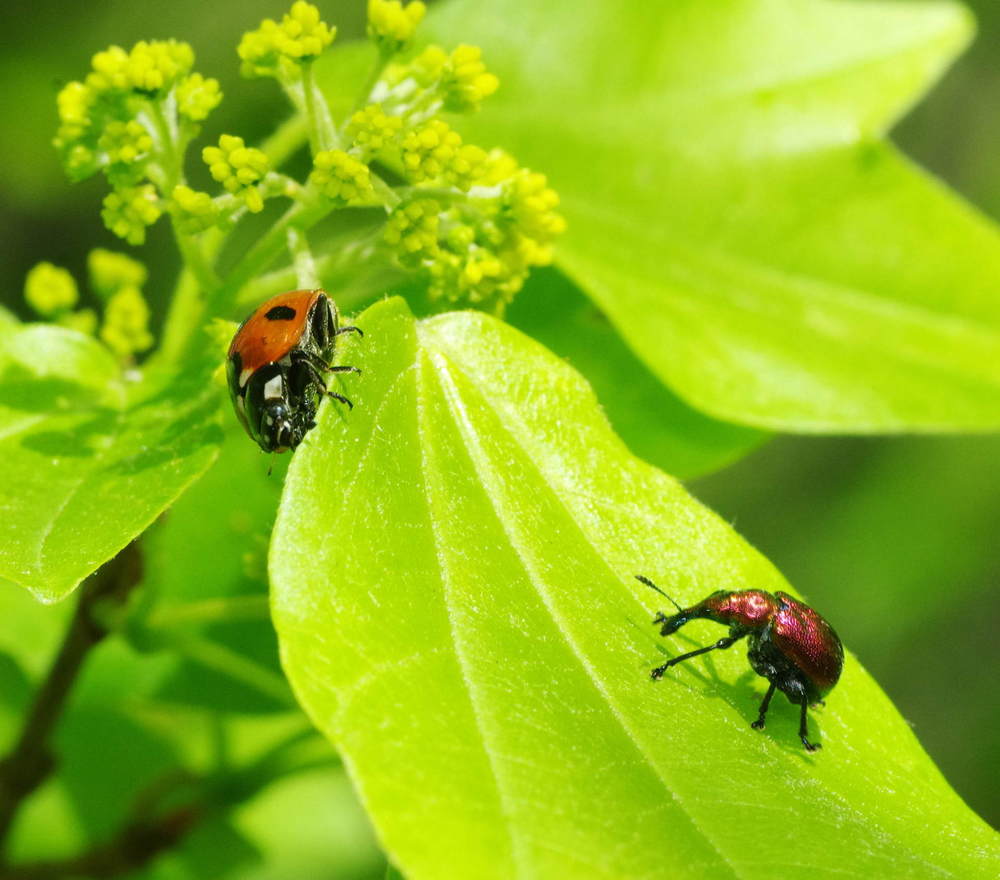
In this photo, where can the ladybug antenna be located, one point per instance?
(270, 465)
(645, 580)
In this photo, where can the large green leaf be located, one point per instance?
(90, 460)
(452, 578)
(733, 208)
(656, 424)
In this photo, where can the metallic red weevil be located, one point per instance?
(790, 644)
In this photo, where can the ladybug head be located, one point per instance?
(279, 427)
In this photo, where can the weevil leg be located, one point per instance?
(673, 661)
(803, 729)
(759, 723)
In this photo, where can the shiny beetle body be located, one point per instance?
(790, 644)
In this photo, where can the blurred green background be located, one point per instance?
(894, 539)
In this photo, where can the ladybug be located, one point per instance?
(791, 645)
(276, 363)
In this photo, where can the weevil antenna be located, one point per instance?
(645, 580)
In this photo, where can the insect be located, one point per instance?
(276, 364)
(791, 646)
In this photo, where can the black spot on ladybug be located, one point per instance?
(280, 313)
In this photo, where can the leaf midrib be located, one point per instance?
(475, 456)
(517, 855)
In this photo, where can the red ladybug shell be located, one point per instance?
(271, 331)
(809, 641)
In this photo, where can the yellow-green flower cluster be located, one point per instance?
(104, 120)
(150, 66)
(125, 144)
(118, 280)
(479, 248)
(238, 168)
(126, 322)
(128, 210)
(342, 177)
(73, 103)
(412, 231)
(428, 151)
(277, 49)
(50, 290)
(433, 152)
(195, 211)
(460, 78)
(371, 129)
(110, 271)
(197, 96)
(392, 25)
(532, 204)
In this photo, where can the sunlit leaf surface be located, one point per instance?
(452, 573)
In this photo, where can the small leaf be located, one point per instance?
(452, 573)
(733, 207)
(89, 461)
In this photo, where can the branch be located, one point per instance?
(150, 829)
(30, 761)
(132, 848)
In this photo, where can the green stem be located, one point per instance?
(302, 215)
(306, 275)
(194, 258)
(221, 610)
(441, 193)
(191, 295)
(186, 307)
(350, 268)
(221, 659)
(381, 60)
(170, 159)
(286, 140)
(322, 132)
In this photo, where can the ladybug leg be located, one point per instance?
(319, 364)
(722, 643)
(803, 728)
(759, 723)
(348, 329)
(317, 380)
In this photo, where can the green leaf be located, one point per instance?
(90, 460)
(656, 424)
(733, 208)
(452, 578)
(206, 583)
